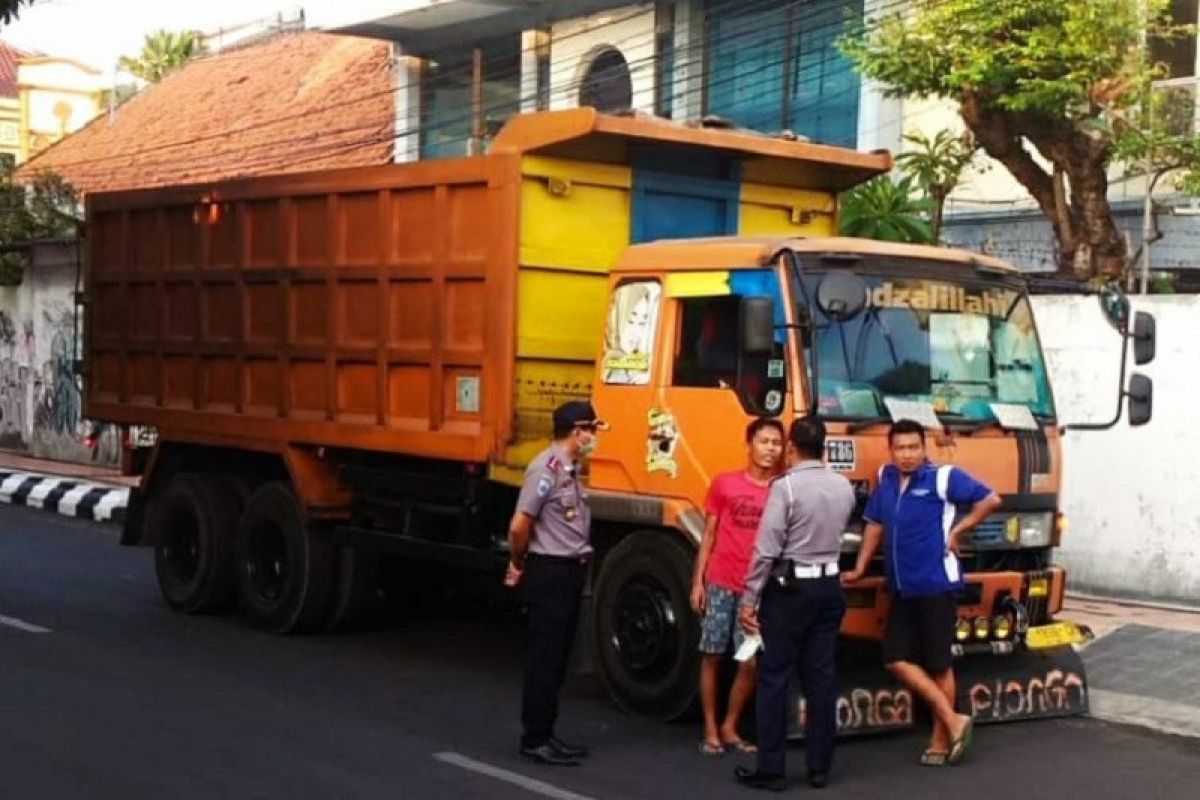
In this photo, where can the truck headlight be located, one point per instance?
(1037, 529)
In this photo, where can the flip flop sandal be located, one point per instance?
(933, 758)
(711, 749)
(958, 748)
(741, 746)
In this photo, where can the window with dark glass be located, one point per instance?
(467, 94)
(664, 59)
(774, 64)
(607, 84)
(709, 352)
(1178, 53)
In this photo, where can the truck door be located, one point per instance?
(710, 390)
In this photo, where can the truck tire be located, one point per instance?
(193, 525)
(646, 636)
(357, 604)
(284, 570)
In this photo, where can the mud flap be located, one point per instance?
(1029, 684)
(869, 700)
(994, 688)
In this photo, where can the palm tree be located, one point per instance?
(937, 166)
(885, 209)
(162, 51)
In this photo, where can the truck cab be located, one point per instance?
(704, 335)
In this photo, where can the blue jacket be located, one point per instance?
(917, 526)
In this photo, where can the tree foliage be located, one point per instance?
(885, 209)
(162, 52)
(48, 208)
(1063, 76)
(937, 165)
(9, 9)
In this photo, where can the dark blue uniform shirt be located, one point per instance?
(917, 524)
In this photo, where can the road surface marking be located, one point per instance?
(22, 625)
(515, 778)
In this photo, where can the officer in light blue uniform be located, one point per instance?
(550, 547)
(795, 573)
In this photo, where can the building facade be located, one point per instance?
(58, 96)
(770, 65)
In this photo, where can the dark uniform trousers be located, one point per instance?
(799, 623)
(553, 592)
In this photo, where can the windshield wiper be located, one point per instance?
(863, 424)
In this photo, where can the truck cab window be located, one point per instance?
(709, 355)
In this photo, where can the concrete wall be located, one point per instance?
(1129, 494)
(1024, 238)
(40, 399)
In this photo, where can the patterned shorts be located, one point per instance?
(720, 623)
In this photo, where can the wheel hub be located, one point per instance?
(266, 564)
(645, 628)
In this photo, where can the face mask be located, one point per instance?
(588, 447)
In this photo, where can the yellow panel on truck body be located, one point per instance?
(783, 211)
(574, 226)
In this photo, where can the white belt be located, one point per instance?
(817, 570)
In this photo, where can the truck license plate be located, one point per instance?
(1056, 634)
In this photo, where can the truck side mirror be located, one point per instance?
(756, 326)
(1141, 399)
(1144, 331)
(1115, 306)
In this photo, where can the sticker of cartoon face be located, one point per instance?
(661, 441)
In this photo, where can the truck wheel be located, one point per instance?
(646, 636)
(356, 596)
(284, 571)
(193, 526)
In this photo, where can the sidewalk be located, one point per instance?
(1144, 665)
(74, 490)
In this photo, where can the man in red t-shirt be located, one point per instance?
(733, 507)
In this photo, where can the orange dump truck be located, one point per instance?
(351, 368)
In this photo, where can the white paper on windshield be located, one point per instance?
(1014, 416)
(916, 410)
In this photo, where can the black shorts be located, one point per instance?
(920, 630)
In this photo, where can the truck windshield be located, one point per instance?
(959, 345)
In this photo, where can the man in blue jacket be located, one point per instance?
(914, 510)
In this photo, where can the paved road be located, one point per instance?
(122, 699)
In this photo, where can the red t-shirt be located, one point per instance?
(737, 502)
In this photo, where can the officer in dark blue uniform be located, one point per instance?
(550, 547)
(794, 600)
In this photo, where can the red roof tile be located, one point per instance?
(298, 102)
(10, 57)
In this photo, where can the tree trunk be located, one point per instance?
(1094, 220)
(937, 211)
(1088, 242)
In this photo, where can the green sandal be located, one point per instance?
(958, 748)
(933, 758)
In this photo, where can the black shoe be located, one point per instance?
(544, 753)
(759, 780)
(567, 750)
(817, 780)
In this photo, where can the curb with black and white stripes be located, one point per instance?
(72, 497)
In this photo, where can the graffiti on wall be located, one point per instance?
(41, 400)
